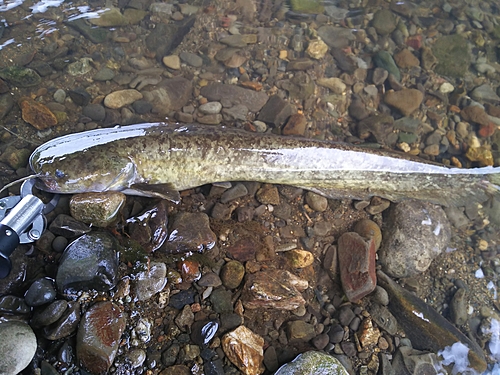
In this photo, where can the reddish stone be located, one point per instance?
(357, 265)
(296, 125)
(244, 250)
(37, 114)
(98, 337)
(487, 130)
(414, 42)
(190, 270)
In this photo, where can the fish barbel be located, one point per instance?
(159, 160)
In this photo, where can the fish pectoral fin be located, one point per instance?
(163, 191)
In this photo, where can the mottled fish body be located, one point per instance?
(159, 160)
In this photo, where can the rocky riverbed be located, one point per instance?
(244, 277)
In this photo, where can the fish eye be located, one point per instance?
(59, 173)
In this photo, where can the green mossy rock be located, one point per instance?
(312, 362)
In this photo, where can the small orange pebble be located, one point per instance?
(249, 127)
(487, 130)
(203, 100)
(456, 162)
(242, 70)
(256, 86)
(195, 307)
(454, 108)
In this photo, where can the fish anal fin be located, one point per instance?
(163, 191)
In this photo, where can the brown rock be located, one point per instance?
(406, 100)
(98, 209)
(244, 249)
(368, 335)
(245, 350)
(406, 59)
(268, 195)
(492, 110)
(475, 114)
(37, 114)
(299, 258)
(98, 337)
(298, 330)
(296, 125)
(274, 289)
(357, 265)
(190, 232)
(232, 274)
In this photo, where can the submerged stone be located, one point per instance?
(452, 54)
(20, 76)
(424, 326)
(312, 362)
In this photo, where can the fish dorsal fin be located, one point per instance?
(163, 191)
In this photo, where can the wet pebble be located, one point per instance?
(66, 226)
(151, 281)
(232, 274)
(17, 347)
(89, 262)
(99, 336)
(42, 291)
(190, 232)
(50, 314)
(59, 244)
(244, 349)
(65, 325)
(97, 209)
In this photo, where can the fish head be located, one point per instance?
(81, 172)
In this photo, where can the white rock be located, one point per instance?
(17, 347)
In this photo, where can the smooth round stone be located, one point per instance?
(95, 111)
(191, 59)
(316, 202)
(210, 108)
(105, 74)
(49, 314)
(121, 98)
(60, 96)
(40, 292)
(172, 62)
(232, 274)
(89, 262)
(17, 347)
(59, 244)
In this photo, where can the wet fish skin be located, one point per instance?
(157, 159)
